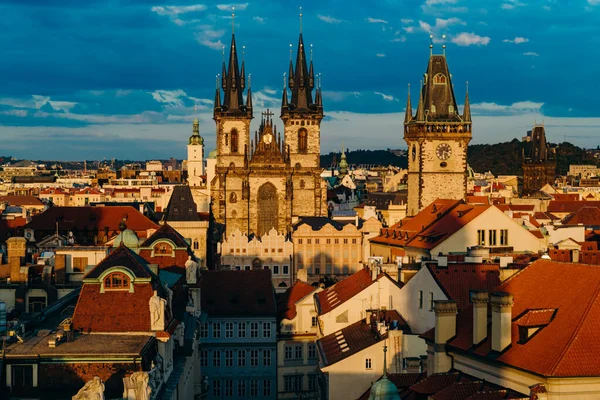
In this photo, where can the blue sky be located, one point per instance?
(101, 79)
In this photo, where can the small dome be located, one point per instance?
(196, 139)
(343, 166)
(128, 238)
(213, 154)
(384, 389)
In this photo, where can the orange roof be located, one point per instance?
(21, 201)
(55, 191)
(478, 200)
(570, 206)
(297, 292)
(589, 216)
(568, 346)
(566, 196)
(344, 290)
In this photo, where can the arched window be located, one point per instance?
(439, 79)
(302, 140)
(196, 246)
(233, 197)
(433, 108)
(267, 208)
(233, 214)
(450, 109)
(116, 281)
(163, 249)
(234, 141)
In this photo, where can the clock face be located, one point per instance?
(443, 151)
(268, 138)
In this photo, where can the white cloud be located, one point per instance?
(593, 2)
(329, 19)
(15, 113)
(436, 2)
(386, 97)
(510, 4)
(210, 37)
(171, 98)
(376, 21)
(229, 7)
(177, 10)
(339, 96)
(444, 23)
(37, 101)
(380, 55)
(425, 26)
(517, 40)
(409, 29)
(401, 39)
(499, 109)
(470, 39)
(260, 20)
(531, 54)
(406, 21)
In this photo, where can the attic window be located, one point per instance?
(116, 281)
(439, 79)
(532, 321)
(163, 249)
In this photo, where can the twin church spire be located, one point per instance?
(233, 83)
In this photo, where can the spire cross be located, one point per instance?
(268, 114)
(300, 19)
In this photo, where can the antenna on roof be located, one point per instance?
(430, 45)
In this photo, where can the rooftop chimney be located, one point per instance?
(501, 320)
(480, 301)
(445, 329)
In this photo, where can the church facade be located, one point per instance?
(265, 181)
(437, 137)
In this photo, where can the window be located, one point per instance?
(328, 241)
(254, 388)
(336, 241)
(312, 382)
(503, 237)
(204, 358)
(430, 301)
(450, 109)
(196, 246)
(241, 358)
(228, 387)
(216, 329)
(242, 329)
(163, 249)
(288, 352)
(116, 281)
(216, 358)
(420, 299)
(312, 351)
(229, 329)
(204, 329)
(313, 321)
(267, 329)
(439, 79)
(353, 241)
(298, 352)
(79, 264)
(368, 363)
(286, 270)
(234, 140)
(254, 358)
(241, 388)
(216, 388)
(232, 197)
(266, 358)
(292, 383)
(229, 358)
(492, 237)
(253, 329)
(275, 269)
(302, 140)
(317, 241)
(481, 237)
(266, 388)
(299, 241)
(345, 241)
(308, 241)
(246, 268)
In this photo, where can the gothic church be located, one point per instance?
(267, 181)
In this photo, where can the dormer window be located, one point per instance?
(116, 281)
(163, 249)
(450, 109)
(439, 79)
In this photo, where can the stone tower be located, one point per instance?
(437, 137)
(539, 162)
(195, 158)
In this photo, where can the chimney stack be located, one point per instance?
(501, 320)
(480, 300)
(445, 329)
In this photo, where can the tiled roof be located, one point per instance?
(344, 290)
(57, 191)
(348, 341)
(587, 215)
(382, 200)
(286, 308)
(113, 311)
(456, 280)
(490, 395)
(458, 391)
(568, 345)
(516, 207)
(570, 206)
(533, 318)
(478, 200)
(81, 218)
(240, 293)
(544, 215)
(566, 196)
(122, 257)
(21, 201)
(8, 227)
(181, 205)
(435, 383)
(166, 232)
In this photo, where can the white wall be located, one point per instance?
(557, 234)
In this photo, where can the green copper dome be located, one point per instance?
(127, 237)
(384, 389)
(213, 154)
(343, 166)
(196, 139)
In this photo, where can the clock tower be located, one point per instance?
(437, 137)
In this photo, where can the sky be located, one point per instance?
(87, 79)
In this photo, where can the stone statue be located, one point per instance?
(157, 312)
(136, 386)
(179, 334)
(169, 293)
(191, 270)
(92, 390)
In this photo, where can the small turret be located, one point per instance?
(420, 109)
(467, 109)
(408, 115)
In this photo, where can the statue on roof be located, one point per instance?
(157, 312)
(191, 271)
(136, 386)
(92, 390)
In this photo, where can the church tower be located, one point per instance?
(195, 158)
(437, 137)
(539, 162)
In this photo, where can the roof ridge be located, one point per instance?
(577, 330)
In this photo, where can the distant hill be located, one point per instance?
(366, 157)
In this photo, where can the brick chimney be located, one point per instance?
(480, 300)
(501, 320)
(445, 329)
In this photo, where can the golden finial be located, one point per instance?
(243, 52)
(291, 51)
(467, 87)
(301, 20)
(232, 20)
(444, 44)
(430, 45)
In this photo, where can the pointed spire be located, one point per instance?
(249, 94)
(233, 83)
(302, 91)
(420, 111)
(291, 72)
(408, 115)
(284, 99)
(243, 71)
(467, 109)
(217, 94)
(311, 72)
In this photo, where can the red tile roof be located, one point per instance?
(286, 308)
(237, 293)
(457, 280)
(343, 291)
(557, 206)
(568, 346)
(566, 196)
(544, 215)
(587, 215)
(348, 341)
(478, 200)
(21, 201)
(533, 318)
(458, 391)
(490, 395)
(435, 383)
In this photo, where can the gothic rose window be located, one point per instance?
(302, 140)
(234, 141)
(116, 280)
